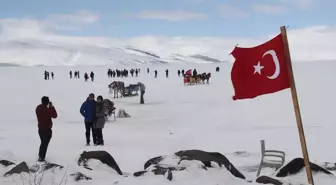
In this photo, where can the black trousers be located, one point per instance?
(99, 135)
(45, 136)
(89, 128)
(142, 101)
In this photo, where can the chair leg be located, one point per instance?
(259, 170)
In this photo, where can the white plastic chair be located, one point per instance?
(270, 158)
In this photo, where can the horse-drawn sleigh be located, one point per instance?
(190, 79)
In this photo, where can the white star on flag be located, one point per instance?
(258, 68)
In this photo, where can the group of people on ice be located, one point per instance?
(47, 75)
(94, 114)
(122, 73)
(86, 76)
(75, 73)
(93, 111)
(119, 73)
(179, 72)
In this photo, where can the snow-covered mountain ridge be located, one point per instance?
(30, 52)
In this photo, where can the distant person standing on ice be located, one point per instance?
(155, 73)
(70, 73)
(142, 92)
(44, 113)
(52, 75)
(132, 72)
(45, 75)
(92, 76)
(147, 70)
(99, 121)
(86, 77)
(167, 73)
(179, 73)
(88, 111)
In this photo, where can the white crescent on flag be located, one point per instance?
(276, 62)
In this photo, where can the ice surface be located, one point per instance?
(175, 117)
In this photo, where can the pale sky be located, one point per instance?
(149, 23)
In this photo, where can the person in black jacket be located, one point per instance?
(142, 88)
(167, 73)
(92, 76)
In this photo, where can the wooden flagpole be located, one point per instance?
(296, 106)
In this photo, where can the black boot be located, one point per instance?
(100, 142)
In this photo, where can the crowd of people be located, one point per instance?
(93, 111)
(123, 73)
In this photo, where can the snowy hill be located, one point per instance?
(30, 52)
(32, 43)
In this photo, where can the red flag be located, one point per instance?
(259, 70)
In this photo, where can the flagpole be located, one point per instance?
(296, 106)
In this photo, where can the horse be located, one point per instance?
(117, 86)
(206, 77)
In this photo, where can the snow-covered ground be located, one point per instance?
(175, 117)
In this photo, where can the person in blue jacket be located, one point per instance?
(88, 111)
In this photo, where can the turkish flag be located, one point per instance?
(259, 70)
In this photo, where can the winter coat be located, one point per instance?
(100, 115)
(44, 116)
(142, 87)
(88, 110)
